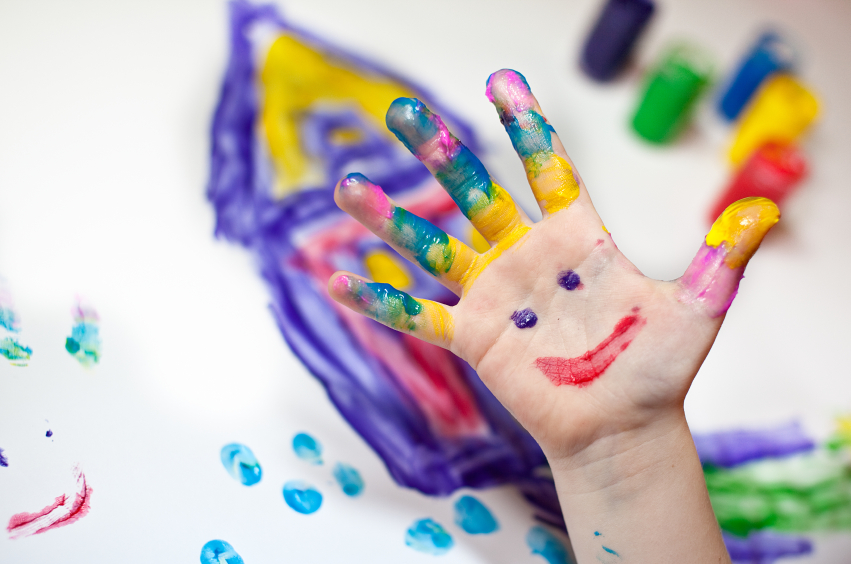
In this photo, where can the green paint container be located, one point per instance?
(670, 93)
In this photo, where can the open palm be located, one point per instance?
(573, 340)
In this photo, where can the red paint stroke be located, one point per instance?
(582, 370)
(59, 514)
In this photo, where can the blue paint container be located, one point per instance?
(771, 53)
(611, 40)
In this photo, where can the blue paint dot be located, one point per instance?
(219, 552)
(472, 516)
(524, 318)
(307, 448)
(241, 464)
(4, 462)
(597, 533)
(610, 551)
(349, 479)
(49, 433)
(568, 280)
(428, 536)
(302, 497)
(543, 542)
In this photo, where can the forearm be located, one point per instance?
(640, 496)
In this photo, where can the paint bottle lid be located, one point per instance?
(771, 53)
(613, 37)
(773, 171)
(670, 93)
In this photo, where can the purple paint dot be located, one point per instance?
(49, 433)
(524, 318)
(568, 280)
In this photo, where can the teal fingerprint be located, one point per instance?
(543, 542)
(241, 464)
(307, 448)
(219, 552)
(302, 497)
(428, 536)
(349, 479)
(472, 516)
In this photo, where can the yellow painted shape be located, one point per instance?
(741, 228)
(783, 109)
(478, 242)
(345, 136)
(296, 78)
(385, 268)
(442, 324)
(500, 217)
(552, 181)
(606, 230)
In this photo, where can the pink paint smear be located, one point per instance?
(62, 512)
(582, 370)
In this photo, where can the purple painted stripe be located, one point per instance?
(765, 547)
(731, 448)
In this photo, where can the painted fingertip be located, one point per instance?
(741, 227)
(504, 82)
(356, 187)
(411, 122)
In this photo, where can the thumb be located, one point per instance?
(712, 279)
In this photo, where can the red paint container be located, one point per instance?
(773, 171)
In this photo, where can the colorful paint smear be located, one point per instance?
(732, 448)
(797, 494)
(241, 464)
(544, 543)
(17, 354)
(472, 516)
(307, 448)
(712, 279)
(65, 510)
(219, 552)
(4, 462)
(582, 370)
(302, 497)
(428, 536)
(349, 479)
(10, 325)
(84, 344)
(295, 116)
(765, 547)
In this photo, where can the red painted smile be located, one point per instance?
(582, 370)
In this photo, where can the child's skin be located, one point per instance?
(600, 377)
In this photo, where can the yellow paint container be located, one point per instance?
(781, 112)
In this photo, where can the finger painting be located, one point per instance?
(295, 115)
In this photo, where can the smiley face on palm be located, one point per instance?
(573, 340)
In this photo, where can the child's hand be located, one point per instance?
(592, 357)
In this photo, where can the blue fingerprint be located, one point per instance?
(307, 448)
(349, 479)
(219, 552)
(543, 542)
(302, 497)
(241, 464)
(472, 516)
(428, 536)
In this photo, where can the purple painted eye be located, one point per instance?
(568, 280)
(524, 318)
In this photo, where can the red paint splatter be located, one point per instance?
(60, 513)
(582, 370)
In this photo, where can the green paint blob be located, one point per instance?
(805, 493)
